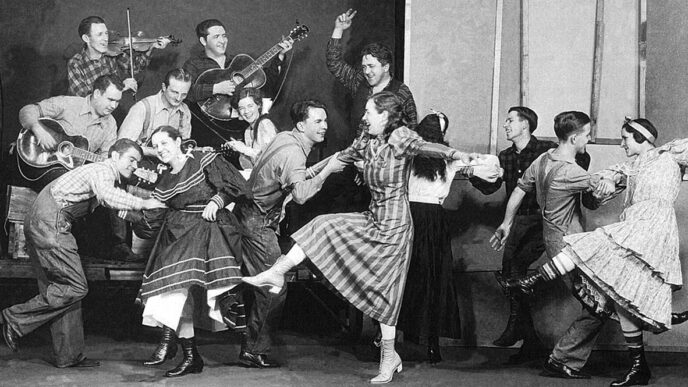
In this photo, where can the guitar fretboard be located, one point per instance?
(86, 155)
(261, 61)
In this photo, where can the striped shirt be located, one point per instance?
(82, 71)
(94, 180)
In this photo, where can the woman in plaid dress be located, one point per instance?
(365, 256)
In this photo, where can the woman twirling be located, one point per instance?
(365, 255)
(198, 247)
(630, 268)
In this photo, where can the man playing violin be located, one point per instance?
(213, 37)
(164, 108)
(85, 66)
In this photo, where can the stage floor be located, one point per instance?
(308, 360)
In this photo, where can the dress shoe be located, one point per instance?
(553, 368)
(639, 374)
(10, 336)
(679, 318)
(192, 363)
(166, 349)
(256, 361)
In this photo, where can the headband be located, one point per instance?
(640, 129)
(442, 118)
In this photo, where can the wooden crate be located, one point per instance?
(17, 242)
(19, 201)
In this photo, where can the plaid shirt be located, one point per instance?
(354, 80)
(515, 164)
(82, 71)
(96, 179)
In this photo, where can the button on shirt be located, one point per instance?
(77, 117)
(161, 114)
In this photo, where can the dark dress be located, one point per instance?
(190, 250)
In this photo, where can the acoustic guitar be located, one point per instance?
(244, 72)
(37, 163)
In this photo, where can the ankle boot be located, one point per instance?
(639, 373)
(273, 277)
(525, 284)
(679, 318)
(513, 331)
(389, 362)
(167, 348)
(434, 355)
(192, 362)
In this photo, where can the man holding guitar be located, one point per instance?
(164, 108)
(213, 37)
(53, 251)
(90, 117)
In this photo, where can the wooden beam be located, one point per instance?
(597, 69)
(642, 56)
(525, 23)
(496, 72)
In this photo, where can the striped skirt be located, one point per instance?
(366, 261)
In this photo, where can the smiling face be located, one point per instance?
(97, 39)
(105, 103)
(314, 127)
(176, 92)
(215, 42)
(514, 126)
(166, 147)
(249, 110)
(374, 71)
(376, 121)
(629, 144)
(126, 162)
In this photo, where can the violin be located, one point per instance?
(118, 44)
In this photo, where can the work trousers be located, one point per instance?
(61, 280)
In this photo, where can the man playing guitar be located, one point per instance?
(213, 37)
(164, 108)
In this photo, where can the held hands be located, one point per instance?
(130, 84)
(343, 22)
(236, 145)
(500, 236)
(43, 136)
(210, 211)
(224, 87)
(334, 165)
(605, 187)
(487, 172)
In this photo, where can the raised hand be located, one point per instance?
(286, 45)
(162, 42)
(343, 21)
(130, 84)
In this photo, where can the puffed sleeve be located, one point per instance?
(405, 142)
(226, 179)
(678, 149)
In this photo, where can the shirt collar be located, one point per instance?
(161, 104)
(530, 146)
(557, 157)
(111, 163)
(87, 109)
(301, 141)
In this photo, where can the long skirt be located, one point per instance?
(430, 306)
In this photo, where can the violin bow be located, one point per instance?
(131, 51)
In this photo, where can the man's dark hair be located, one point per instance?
(104, 81)
(85, 24)
(299, 110)
(380, 52)
(567, 124)
(178, 74)
(527, 114)
(124, 144)
(637, 136)
(203, 27)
